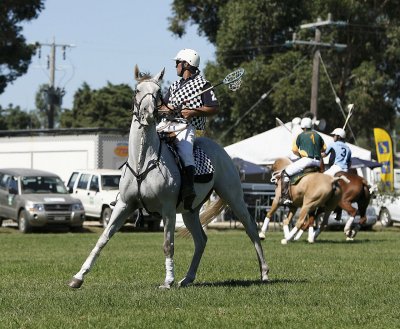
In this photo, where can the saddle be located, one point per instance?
(204, 169)
(296, 178)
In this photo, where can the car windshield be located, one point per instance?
(110, 182)
(42, 185)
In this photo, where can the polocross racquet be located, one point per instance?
(233, 80)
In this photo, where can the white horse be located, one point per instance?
(151, 180)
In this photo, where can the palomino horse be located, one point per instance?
(151, 180)
(356, 191)
(315, 191)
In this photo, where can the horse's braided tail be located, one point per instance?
(212, 209)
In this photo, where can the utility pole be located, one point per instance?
(317, 44)
(53, 95)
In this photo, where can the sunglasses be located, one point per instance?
(177, 63)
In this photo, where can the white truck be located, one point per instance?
(97, 189)
(63, 150)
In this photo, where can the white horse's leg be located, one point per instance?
(192, 223)
(118, 217)
(240, 210)
(264, 228)
(169, 240)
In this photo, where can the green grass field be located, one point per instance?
(331, 284)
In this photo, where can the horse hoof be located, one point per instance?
(75, 283)
(349, 239)
(261, 235)
(265, 278)
(310, 240)
(284, 241)
(166, 285)
(185, 282)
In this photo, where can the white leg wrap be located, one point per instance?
(286, 231)
(311, 234)
(348, 224)
(264, 228)
(298, 235)
(169, 268)
(292, 233)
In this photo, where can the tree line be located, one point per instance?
(254, 35)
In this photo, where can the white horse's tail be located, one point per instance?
(211, 210)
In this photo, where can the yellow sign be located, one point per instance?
(121, 150)
(384, 152)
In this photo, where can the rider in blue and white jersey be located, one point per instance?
(340, 153)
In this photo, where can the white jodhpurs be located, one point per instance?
(333, 170)
(184, 145)
(300, 164)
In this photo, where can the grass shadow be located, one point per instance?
(246, 283)
(359, 241)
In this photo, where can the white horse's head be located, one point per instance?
(147, 97)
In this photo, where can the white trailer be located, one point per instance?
(63, 150)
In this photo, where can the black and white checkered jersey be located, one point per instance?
(183, 89)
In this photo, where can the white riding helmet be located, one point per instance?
(188, 55)
(306, 123)
(296, 121)
(339, 132)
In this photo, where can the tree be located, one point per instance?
(13, 118)
(253, 35)
(15, 54)
(108, 107)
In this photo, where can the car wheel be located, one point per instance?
(385, 218)
(23, 224)
(105, 216)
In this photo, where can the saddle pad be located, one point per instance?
(297, 177)
(204, 167)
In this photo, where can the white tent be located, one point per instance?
(265, 148)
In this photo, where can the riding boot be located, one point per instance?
(188, 192)
(285, 186)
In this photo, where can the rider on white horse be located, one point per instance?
(194, 111)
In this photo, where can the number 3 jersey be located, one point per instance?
(341, 152)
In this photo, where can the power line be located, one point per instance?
(337, 99)
(263, 96)
(317, 44)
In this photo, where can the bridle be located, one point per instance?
(136, 105)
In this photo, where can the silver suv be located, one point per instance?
(35, 198)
